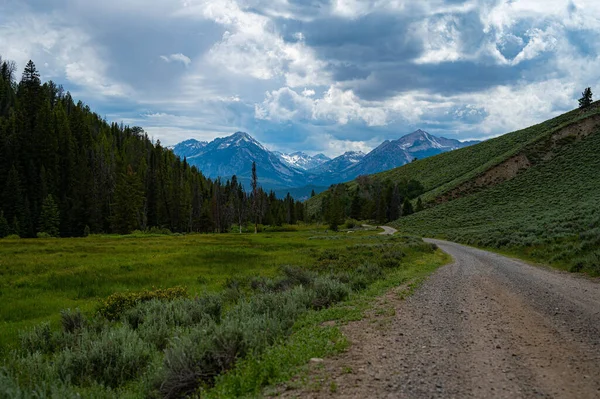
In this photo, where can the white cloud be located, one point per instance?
(265, 49)
(336, 106)
(179, 57)
(65, 51)
(441, 39)
(251, 46)
(539, 42)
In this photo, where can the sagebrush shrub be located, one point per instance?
(113, 357)
(187, 364)
(113, 307)
(298, 275)
(38, 339)
(328, 291)
(72, 321)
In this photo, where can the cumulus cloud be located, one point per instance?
(319, 75)
(252, 46)
(66, 53)
(179, 57)
(335, 106)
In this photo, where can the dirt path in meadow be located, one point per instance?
(485, 326)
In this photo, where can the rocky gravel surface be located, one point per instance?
(485, 326)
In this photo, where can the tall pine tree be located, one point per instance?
(50, 217)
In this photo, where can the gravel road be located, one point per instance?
(387, 230)
(485, 326)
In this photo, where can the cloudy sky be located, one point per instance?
(313, 75)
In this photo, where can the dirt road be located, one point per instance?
(484, 326)
(387, 230)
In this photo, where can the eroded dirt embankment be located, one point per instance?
(544, 150)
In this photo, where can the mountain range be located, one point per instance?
(233, 155)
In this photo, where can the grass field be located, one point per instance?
(241, 275)
(38, 278)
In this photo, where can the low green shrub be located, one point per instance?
(41, 339)
(111, 358)
(328, 291)
(72, 321)
(113, 307)
(351, 223)
(156, 320)
(298, 275)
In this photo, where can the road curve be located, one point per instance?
(387, 230)
(484, 326)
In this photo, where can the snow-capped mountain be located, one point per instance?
(339, 164)
(233, 155)
(421, 144)
(388, 155)
(301, 160)
(188, 148)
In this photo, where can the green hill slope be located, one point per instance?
(444, 172)
(534, 193)
(547, 208)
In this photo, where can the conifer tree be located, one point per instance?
(4, 228)
(128, 204)
(255, 200)
(356, 206)
(335, 214)
(586, 98)
(420, 206)
(50, 217)
(15, 227)
(407, 208)
(12, 199)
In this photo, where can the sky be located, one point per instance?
(312, 75)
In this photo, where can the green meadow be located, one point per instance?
(40, 277)
(248, 312)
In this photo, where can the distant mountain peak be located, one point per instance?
(234, 154)
(301, 160)
(188, 147)
(239, 138)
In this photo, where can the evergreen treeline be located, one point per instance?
(66, 171)
(370, 199)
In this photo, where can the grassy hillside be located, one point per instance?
(549, 211)
(444, 172)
